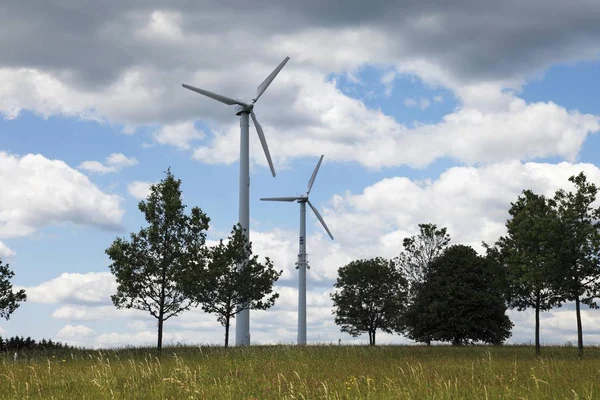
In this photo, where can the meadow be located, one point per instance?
(310, 372)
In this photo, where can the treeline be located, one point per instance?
(20, 343)
(436, 292)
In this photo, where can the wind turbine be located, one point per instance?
(302, 260)
(245, 111)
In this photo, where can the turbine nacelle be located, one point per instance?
(246, 108)
(304, 198)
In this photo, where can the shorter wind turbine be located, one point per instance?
(302, 260)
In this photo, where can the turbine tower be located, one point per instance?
(302, 259)
(245, 111)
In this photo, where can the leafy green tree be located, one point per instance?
(580, 246)
(371, 295)
(9, 300)
(459, 301)
(528, 254)
(419, 252)
(234, 279)
(155, 266)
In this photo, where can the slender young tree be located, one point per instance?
(371, 295)
(419, 252)
(9, 299)
(155, 266)
(580, 247)
(529, 256)
(233, 280)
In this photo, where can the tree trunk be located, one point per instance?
(428, 341)
(579, 328)
(456, 342)
(227, 333)
(373, 338)
(537, 324)
(160, 332)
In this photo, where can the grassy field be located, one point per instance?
(312, 372)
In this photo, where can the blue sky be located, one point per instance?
(431, 120)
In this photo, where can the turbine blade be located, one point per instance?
(223, 99)
(263, 86)
(320, 219)
(314, 175)
(263, 141)
(290, 199)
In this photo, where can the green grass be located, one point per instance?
(311, 372)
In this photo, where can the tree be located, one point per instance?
(153, 269)
(580, 247)
(459, 301)
(9, 300)
(419, 252)
(528, 254)
(234, 279)
(371, 295)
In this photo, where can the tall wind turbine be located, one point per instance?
(302, 259)
(245, 111)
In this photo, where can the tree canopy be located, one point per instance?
(459, 301)
(234, 279)
(154, 267)
(371, 295)
(9, 299)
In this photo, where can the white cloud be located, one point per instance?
(78, 312)
(5, 251)
(178, 135)
(44, 192)
(74, 288)
(114, 162)
(438, 99)
(388, 81)
(139, 189)
(70, 332)
(424, 104)
(410, 102)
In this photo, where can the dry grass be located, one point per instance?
(312, 372)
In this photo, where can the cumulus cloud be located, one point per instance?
(5, 251)
(74, 288)
(44, 191)
(71, 332)
(178, 135)
(139, 189)
(114, 162)
(149, 52)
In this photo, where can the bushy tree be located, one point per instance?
(9, 299)
(528, 253)
(579, 232)
(371, 295)
(233, 280)
(155, 266)
(459, 301)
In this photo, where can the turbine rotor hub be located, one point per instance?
(245, 109)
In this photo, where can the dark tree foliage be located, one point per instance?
(9, 299)
(419, 252)
(371, 295)
(21, 343)
(459, 301)
(528, 255)
(234, 279)
(580, 247)
(153, 268)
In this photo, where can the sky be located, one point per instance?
(425, 113)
